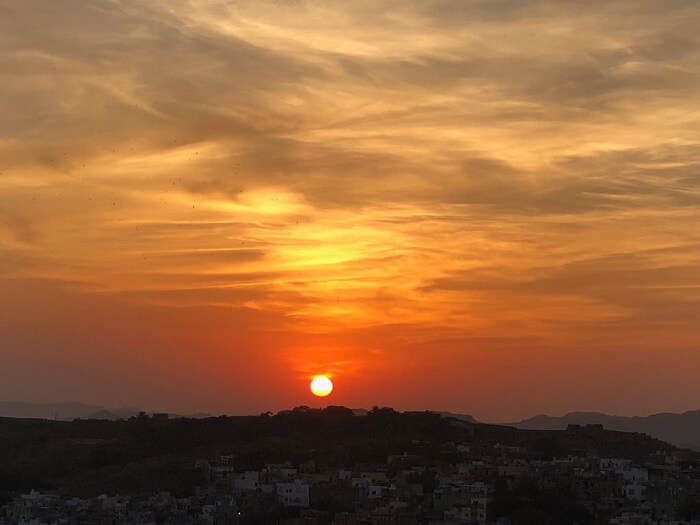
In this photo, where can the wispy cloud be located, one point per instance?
(466, 171)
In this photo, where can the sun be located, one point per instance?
(321, 386)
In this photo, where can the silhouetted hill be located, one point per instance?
(143, 453)
(112, 415)
(682, 430)
(102, 414)
(197, 415)
(62, 411)
(68, 411)
(463, 417)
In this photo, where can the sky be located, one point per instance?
(484, 206)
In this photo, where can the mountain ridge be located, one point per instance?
(681, 429)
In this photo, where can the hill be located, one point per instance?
(463, 417)
(682, 430)
(142, 453)
(66, 411)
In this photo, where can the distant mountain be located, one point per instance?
(102, 414)
(62, 411)
(198, 415)
(113, 414)
(682, 430)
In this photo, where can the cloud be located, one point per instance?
(439, 171)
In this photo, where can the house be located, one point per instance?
(293, 493)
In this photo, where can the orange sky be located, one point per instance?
(488, 207)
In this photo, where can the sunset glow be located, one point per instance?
(493, 207)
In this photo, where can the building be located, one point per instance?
(293, 494)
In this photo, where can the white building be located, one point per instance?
(247, 481)
(636, 478)
(614, 464)
(293, 494)
(633, 474)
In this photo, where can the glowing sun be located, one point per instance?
(321, 386)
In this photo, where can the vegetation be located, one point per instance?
(88, 457)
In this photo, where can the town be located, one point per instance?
(466, 474)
